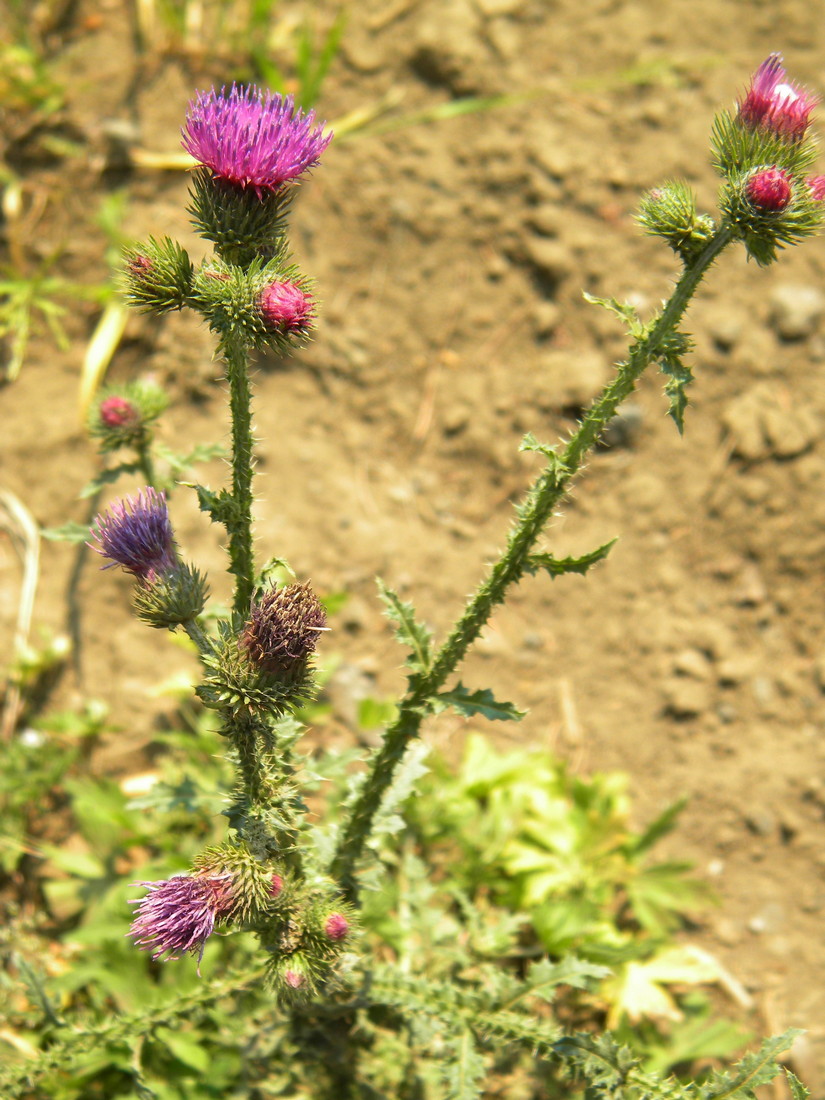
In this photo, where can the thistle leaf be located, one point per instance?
(624, 310)
(557, 567)
(410, 632)
(482, 701)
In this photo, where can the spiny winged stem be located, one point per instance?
(238, 521)
(546, 492)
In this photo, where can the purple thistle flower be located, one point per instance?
(773, 103)
(252, 138)
(178, 914)
(286, 308)
(137, 534)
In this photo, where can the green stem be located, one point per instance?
(147, 466)
(239, 524)
(198, 636)
(541, 500)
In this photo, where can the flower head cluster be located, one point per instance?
(178, 915)
(769, 189)
(251, 138)
(283, 629)
(773, 103)
(136, 533)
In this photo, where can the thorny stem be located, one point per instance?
(544, 495)
(239, 523)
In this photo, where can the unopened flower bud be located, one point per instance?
(159, 276)
(336, 926)
(817, 188)
(286, 308)
(277, 885)
(294, 979)
(123, 415)
(775, 104)
(117, 412)
(283, 629)
(769, 189)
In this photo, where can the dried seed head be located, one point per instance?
(283, 629)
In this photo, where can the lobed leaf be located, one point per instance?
(409, 631)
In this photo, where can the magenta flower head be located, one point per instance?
(136, 533)
(775, 104)
(251, 138)
(178, 914)
(286, 309)
(769, 189)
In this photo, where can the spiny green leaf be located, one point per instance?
(481, 702)
(757, 1068)
(218, 506)
(798, 1090)
(623, 310)
(410, 632)
(464, 1068)
(530, 443)
(557, 567)
(679, 378)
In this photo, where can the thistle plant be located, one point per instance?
(273, 876)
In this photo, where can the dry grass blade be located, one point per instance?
(18, 523)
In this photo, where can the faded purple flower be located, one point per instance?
(769, 189)
(773, 103)
(252, 138)
(286, 308)
(178, 914)
(336, 926)
(137, 534)
(817, 186)
(283, 628)
(117, 412)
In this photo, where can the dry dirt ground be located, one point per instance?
(450, 258)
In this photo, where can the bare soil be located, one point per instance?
(450, 259)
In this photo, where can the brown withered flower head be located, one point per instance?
(283, 628)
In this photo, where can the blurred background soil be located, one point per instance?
(450, 257)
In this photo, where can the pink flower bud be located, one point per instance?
(336, 926)
(286, 308)
(276, 886)
(769, 189)
(117, 412)
(773, 103)
(293, 979)
(817, 186)
(139, 266)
